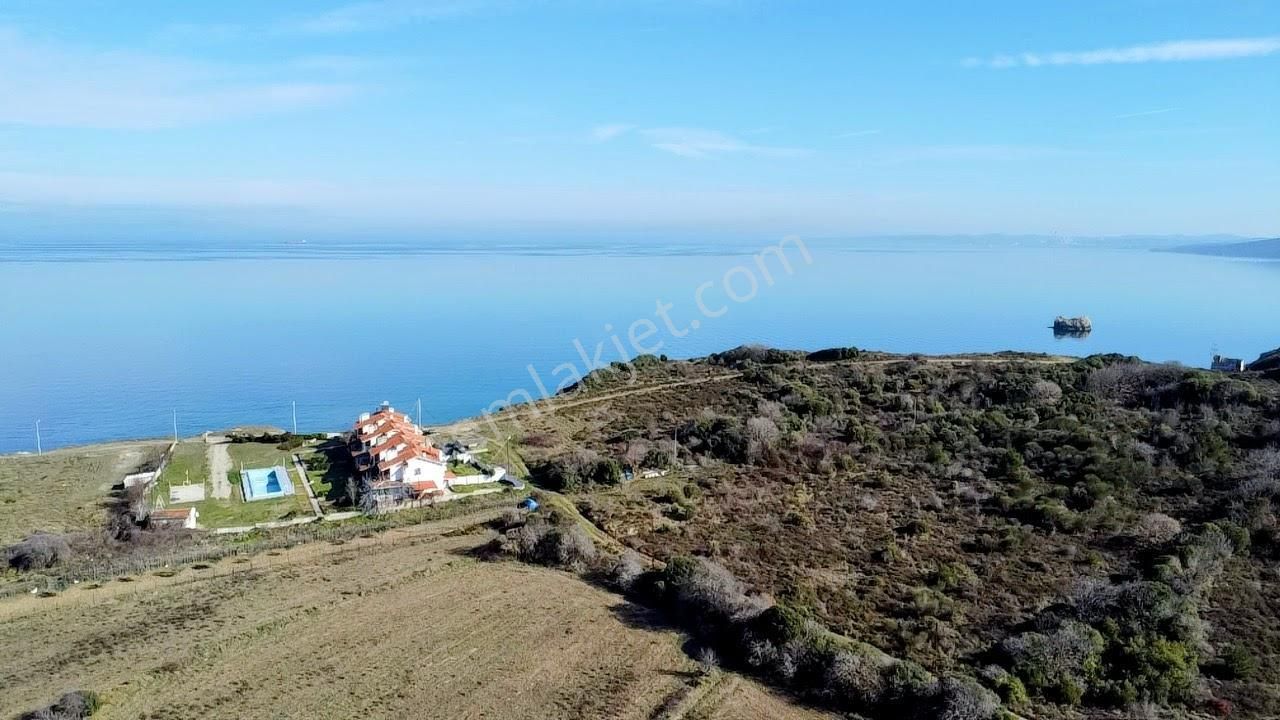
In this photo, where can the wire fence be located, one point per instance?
(102, 570)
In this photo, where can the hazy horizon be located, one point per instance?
(734, 116)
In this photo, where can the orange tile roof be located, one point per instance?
(394, 428)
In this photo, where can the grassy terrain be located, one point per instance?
(464, 489)
(65, 489)
(463, 469)
(235, 512)
(293, 635)
(489, 436)
(257, 455)
(507, 456)
(188, 464)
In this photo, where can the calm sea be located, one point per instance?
(108, 341)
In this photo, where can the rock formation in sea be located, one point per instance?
(1072, 327)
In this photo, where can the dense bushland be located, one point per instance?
(1099, 533)
(748, 631)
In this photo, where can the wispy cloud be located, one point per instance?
(1144, 113)
(185, 32)
(981, 152)
(692, 142)
(1171, 51)
(699, 143)
(46, 84)
(381, 14)
(605, 133)
(856, 134)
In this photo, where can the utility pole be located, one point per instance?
(39, 451)
(295, 417)
(419, 412)
(175, 425)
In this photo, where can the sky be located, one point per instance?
(414, 117)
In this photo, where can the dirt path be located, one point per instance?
(219, 466)
(472, 426)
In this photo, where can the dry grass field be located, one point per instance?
(65, 489)
(405, 624)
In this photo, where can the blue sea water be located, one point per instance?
(106, 341)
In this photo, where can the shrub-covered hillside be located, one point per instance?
(1080, 537)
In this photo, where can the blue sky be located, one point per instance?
(756, 116)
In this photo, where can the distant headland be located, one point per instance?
(1268, 249)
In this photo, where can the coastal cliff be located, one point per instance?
(1266, 362)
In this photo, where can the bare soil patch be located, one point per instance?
(404, 624)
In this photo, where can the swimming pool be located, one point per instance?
(264, 483)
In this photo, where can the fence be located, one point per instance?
(237, 546)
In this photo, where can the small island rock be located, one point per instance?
(1072, 326)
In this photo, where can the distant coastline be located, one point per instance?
(1268, 249)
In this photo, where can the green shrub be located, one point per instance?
(1011, 690)
(779, 624)
(1234, 662)
(546, 543)
(1057, 665)
(1070, 691)
(952, 576)
(906, 683)
(1150, 668)
(575, 472)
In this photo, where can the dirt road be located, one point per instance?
(473, 429)
(219, 465)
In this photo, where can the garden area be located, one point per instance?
(190, 464)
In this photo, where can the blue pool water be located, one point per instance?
(264, 483)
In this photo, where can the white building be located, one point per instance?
(395, 457)
(143, 478)
(175, 518)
